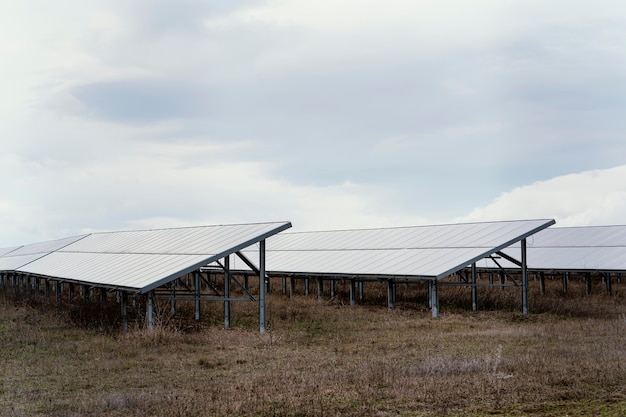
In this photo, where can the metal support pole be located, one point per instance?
(150, 311)
(609, 284)
(588, 282)
(47, 290)
(196, 285)
(57, 289)
(430, 294)
(332, 288)
(284, 285)
(320, 289)
(173, 297)
(352, 292)
(361, 290)
(565, 276)
(524, 279)
(306, 286)
(474, 289)
(390, 289)
(103, 298)
(292, 287)
(123, 304)
(435, 299)
(542, 283)
(262, 319)
(227, 292)
(71, 292)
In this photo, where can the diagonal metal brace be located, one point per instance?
(503, 270)
(239, 284)
(509, 258)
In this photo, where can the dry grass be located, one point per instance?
(324, 359)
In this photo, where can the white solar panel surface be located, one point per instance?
(140, 260)
(422, 251)
(595, 248)
(4, 251)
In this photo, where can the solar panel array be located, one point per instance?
(590, 248)
(137, 260)
(430, 252)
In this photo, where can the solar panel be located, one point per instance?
(137, 260)
(591, 248)
(431, 252)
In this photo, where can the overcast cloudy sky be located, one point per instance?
(332, 114)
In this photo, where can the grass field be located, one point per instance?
(567, 358)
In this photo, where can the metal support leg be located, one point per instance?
(262, 319)
(150, 311)
(390, 288)
(320, 289)
(588, 282)
(196, 286)
(332, 288)
(292, 287)
(474, 289)
(430, 294)
(565, 277)
(524, 279)
(435, 299)
(103, 299)
(227, 292)
(123, 306)
(352, 292)
(542, 283)
(173, 297)
(57, 290)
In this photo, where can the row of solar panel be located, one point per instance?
(143, 260)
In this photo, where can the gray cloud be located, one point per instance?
(426, 115)
(142, 101)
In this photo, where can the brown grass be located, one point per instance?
(324, 358)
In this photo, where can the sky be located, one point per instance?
(118, 115)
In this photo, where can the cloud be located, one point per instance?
(329, 114)
(596, 197)
(142, 101)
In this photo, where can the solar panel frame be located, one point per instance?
(423, 252)
(150, 258)
(582, 248)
